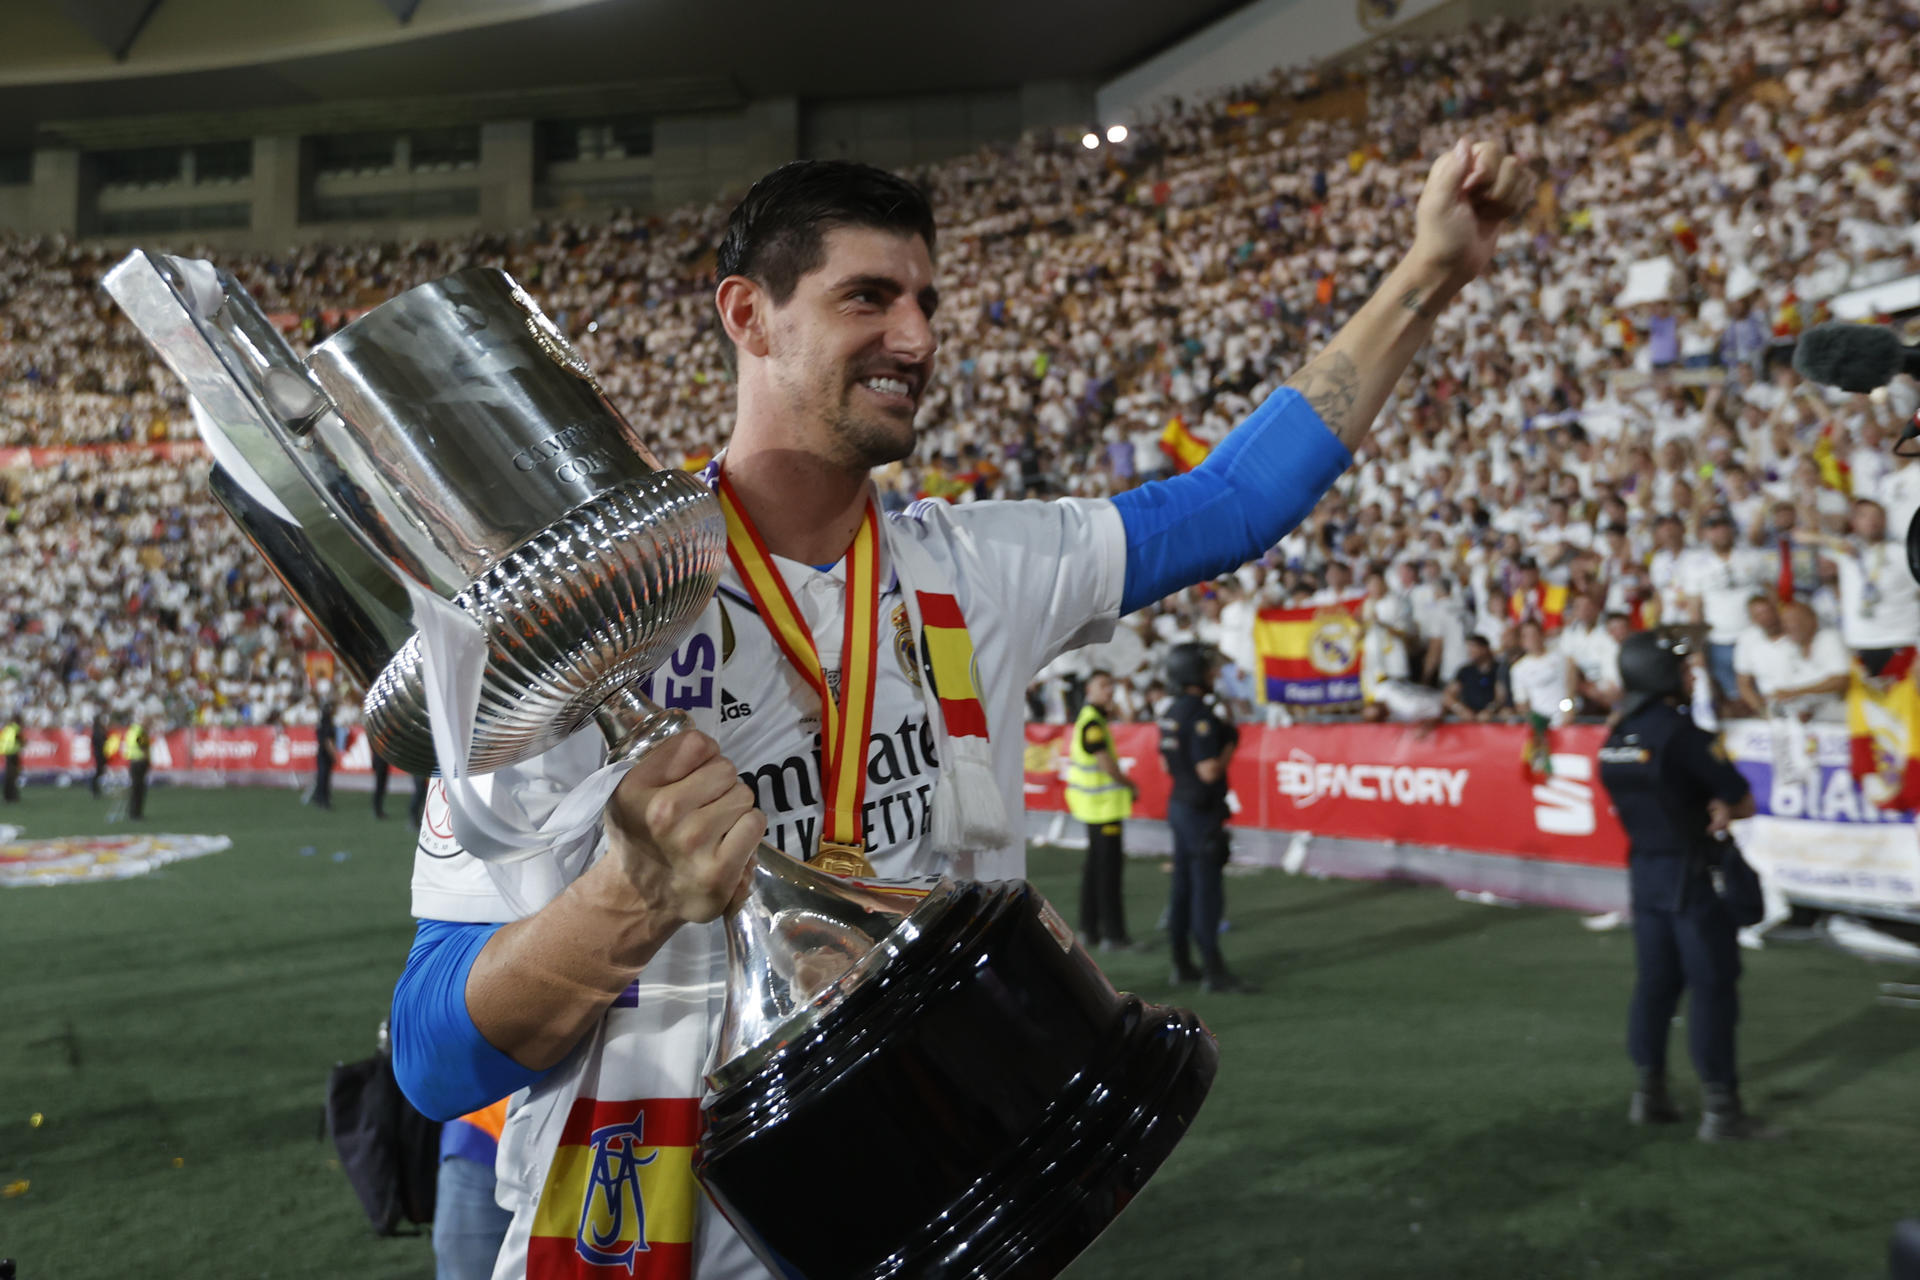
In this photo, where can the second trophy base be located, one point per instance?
(982, 1108)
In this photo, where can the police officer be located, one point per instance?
(1675, 793)
(11, 745)
(133, 746)
(1100, 795)
(326, 746)
(1197, 742)
(102, 753)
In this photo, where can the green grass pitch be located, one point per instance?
(1422, 1088)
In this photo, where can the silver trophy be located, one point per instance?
(453, 440)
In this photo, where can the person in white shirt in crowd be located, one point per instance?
(1879, 600)
(1238, 612)
(1541, 679)
(1389, 635)
(1715, 584)
(1805, 673)
(1664, 566)
(1764, 630)
(1445, 627)
(1596, 665)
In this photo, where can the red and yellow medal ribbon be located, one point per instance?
(846, 721)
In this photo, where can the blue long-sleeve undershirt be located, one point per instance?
(1251, 491)
(444, 1065)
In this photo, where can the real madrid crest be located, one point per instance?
(556, 344)
(1334, 642)
(903, 647)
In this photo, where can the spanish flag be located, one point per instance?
(697, 460)
(1835, 471)
(949, 652)
(1884, 724)
(620, 1197)
(1309, 656)
(1185, 448)
(1548, 606)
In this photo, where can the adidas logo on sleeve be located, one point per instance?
(732, 708)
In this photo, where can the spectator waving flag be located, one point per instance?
(1309, 656)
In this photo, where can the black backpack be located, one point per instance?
(390, 1152)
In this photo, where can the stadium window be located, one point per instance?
(348, 153)
(223, 161)
(139, 166)
(389, 206)
(612, 138)
(16, 167)
(182, 217)
(434, 150)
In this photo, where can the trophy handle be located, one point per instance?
(801, 937)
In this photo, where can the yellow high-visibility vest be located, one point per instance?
(1093, 795)
(134, 745)
(9, 739)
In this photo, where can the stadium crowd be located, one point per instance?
(1596, 438)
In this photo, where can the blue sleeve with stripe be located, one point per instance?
(1251, 491)
(444, 1065)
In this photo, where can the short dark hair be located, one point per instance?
(777, 233)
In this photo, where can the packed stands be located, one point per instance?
(1737, 164)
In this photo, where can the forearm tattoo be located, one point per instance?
(1411, 301)
(1331, 385)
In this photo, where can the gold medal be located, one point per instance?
(843, 860)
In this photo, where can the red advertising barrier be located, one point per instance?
(203, 757)
(1458, 786)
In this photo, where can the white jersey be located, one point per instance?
(1033, 579)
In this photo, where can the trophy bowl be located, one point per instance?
(452, 442)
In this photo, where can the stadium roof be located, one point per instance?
(100, 73)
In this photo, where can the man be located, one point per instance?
(1541, 679)
(1715, 585)
(1805, 673)
(1597, 665)
(826, 294)
(382, 772)
(1100, 794)
(101, 753)
(1879, 600)
(1676, 793)
(1388, 637)
(1762, 633)
(325, 746)
(12, 744)
(1197, 743)
(1477, 691)
(133, 749)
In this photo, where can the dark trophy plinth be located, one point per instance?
(1019, 1101)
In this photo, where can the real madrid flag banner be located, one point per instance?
(1309, 656)
(620, 1195)
(1884, 725)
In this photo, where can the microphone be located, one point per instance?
(1853, 357)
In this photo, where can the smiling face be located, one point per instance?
(845, 360)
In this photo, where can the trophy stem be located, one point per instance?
(800, 939)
